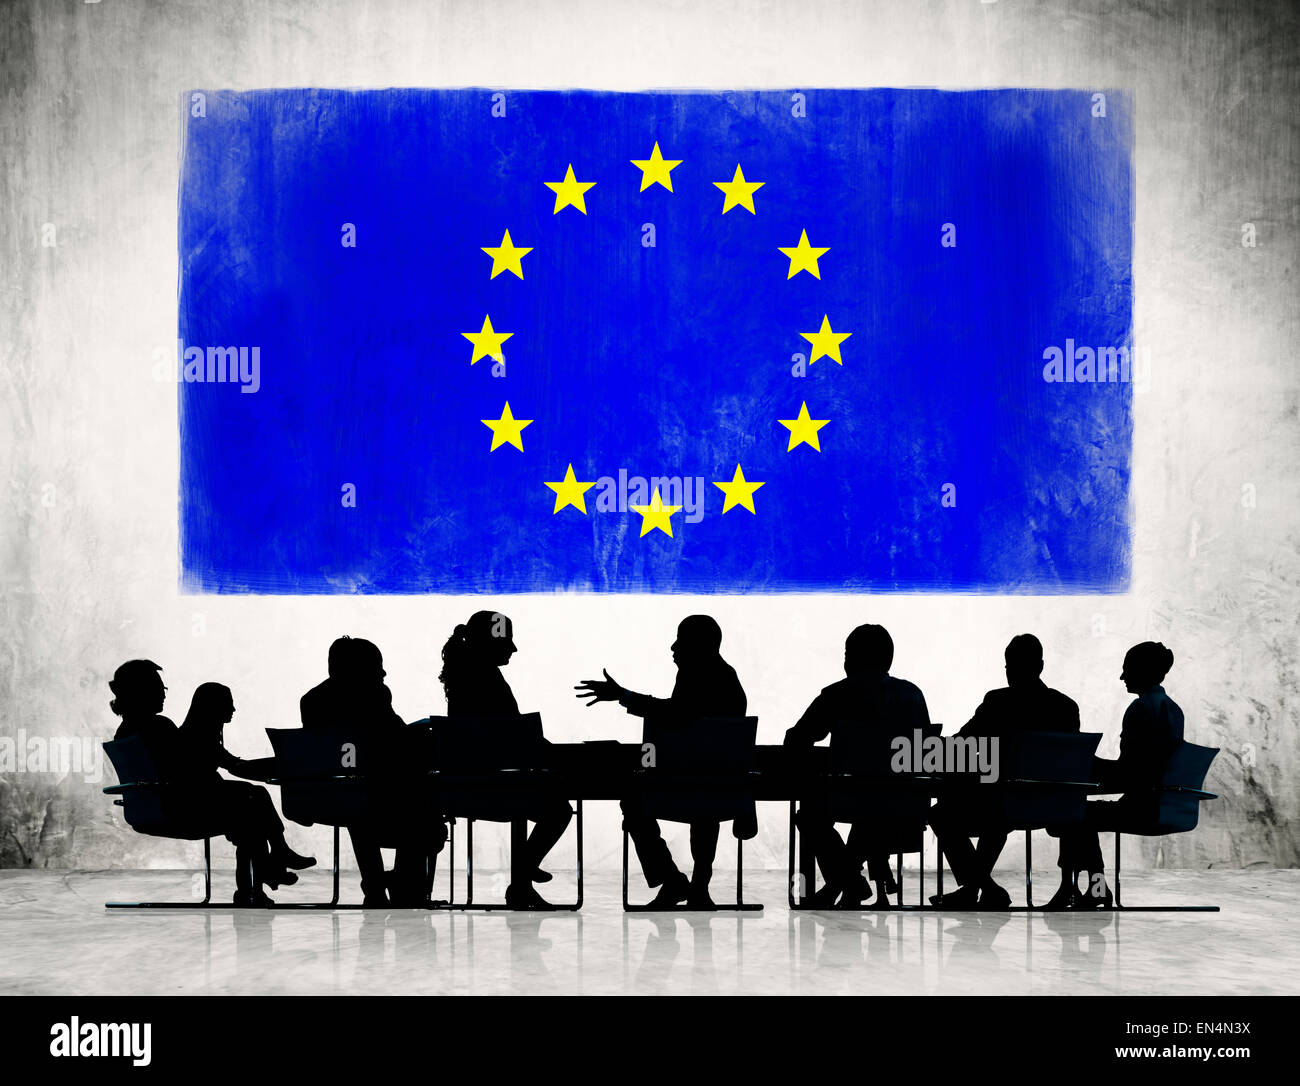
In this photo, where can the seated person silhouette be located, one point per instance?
(189, 757)
(869, 698)
(202, 742)
(1025, 704)
(706, 686)
(472, 659)
(354, 704)
(1152, 729)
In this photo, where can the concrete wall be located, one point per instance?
(89, 128)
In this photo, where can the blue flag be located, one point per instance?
(469, 341)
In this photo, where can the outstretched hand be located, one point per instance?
(598, 690)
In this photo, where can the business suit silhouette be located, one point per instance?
(867, 699)
(1025, 704)
(355, 706)
(706, 686)
(1152, 728)
(471, 676)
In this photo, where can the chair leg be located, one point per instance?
(334, 897)
(206, 903)
(333, 903)
(740, 871)
(739, 906)
(920, 874)
(451, 864)
(1153, 908)
(578, 904)
(1117, 901)
(790, 877)
(469, 862)
(518, 837)
(625, 902)
(1029, 869)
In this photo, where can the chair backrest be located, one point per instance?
(303, 754)
(486, 744)
(715, 745)
(1046, 757)
(1188, 765)
(1177, 810)
(869, 750)
(1050, 756)
(132, 760)
(335, 779)
(155, 807)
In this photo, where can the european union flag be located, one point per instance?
(835, 340)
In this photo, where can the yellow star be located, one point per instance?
(740, 491)
(803, 429)
(570, 492)
(739, 192)
(656, 170)
(568, 193)
(803, 257)
(825, 343)
(507, 430)
(656, 514)
(507, 257)
(487, 342)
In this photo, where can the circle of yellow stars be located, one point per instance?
(803, 257)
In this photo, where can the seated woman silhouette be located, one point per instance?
(202, 741)
(472, 660)
(1152, 728)
(138, 696)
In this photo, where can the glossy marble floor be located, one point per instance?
(56, 937)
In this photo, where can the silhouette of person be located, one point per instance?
(202, 743)
(472, 659)
(1025, 704)
(868, 698)
(251, 823)
(355, 705)
(1152, 729)
(706, 686)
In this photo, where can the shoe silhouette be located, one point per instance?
(966, 897)
(994, 897)
(825, 897)
(672, 893)
(700, 899)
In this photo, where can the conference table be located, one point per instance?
(610, 770)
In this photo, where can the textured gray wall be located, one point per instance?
(89, 130)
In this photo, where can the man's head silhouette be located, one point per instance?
(699, 638)
(138, 689)
(356, 661)
(1024, 660)
(868, 650)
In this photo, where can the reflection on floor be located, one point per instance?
(56, 937)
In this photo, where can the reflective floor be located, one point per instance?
(56, 937)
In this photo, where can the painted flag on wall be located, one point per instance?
(471, 341)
